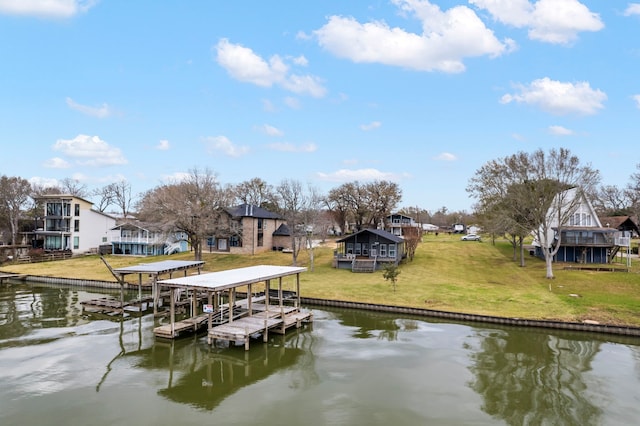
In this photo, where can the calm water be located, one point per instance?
(58, 367)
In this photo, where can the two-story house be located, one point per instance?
(254, 231)
(581, 237)
(70, 223)
(396, 221)
(144, 240)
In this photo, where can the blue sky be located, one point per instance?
(421, 93)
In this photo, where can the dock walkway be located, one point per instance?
(108, 306)
(242, 330)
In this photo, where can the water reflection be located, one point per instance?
(368, 324)
(203, 376)
(534, 378)
(349, 367)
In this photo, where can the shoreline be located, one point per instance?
(608, 329)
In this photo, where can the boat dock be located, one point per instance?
(238, 320)
(139, 306)
(111, 307)
(6, 276)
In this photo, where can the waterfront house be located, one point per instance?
(396, 221)
(369, 250)
(252, 232)
(582, 238)
(134, 239)
(621, 223)
(70, 224)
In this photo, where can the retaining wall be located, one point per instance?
(456, 316)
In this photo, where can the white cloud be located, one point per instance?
(371, 126)
(46, 8)
(271, 131)
(347, 175)
(301, 61)
(518, 137)
(632, 9)
(637, 99)
(223, 144)
(56, 163)
(163, 145)
(289, 147)
(560, 131)
(292, 102)
(558, 97)
(244, 65)
(43, 182)
(447, 38)
(551, 21)
(90, 151)
(176, 177)
(445, 156)
(99, 112)
(268, 106)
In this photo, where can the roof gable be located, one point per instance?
(250, 210)
(379, 232)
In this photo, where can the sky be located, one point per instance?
(420, 93)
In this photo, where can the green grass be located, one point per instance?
(446, 274)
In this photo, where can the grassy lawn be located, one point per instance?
(446, 274)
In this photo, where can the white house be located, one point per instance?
(71, 223)
(582, 238)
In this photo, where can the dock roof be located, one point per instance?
(223, 280)
(161, 267)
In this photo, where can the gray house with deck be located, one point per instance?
(369, 250)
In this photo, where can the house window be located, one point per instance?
(260, 239)
(260, 223)
(358, 249)
(76, 209)
(76, 225)
(76, 243)
(349, 248)
(392, 250)
(383, 250)
(365, 249)
(235, 241)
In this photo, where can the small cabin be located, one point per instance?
(369, 250)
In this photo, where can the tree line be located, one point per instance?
(195, 205)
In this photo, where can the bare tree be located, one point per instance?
(612, 201)
(105, 197)
(337, 201)
(73, 187)
(384, 197)
(121, 191)
(255, 192)
(412, 236)
(301, 210)
(537, 191)
(194, 206)
(14, 197)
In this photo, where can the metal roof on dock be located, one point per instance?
(222, 280)
(161, 267)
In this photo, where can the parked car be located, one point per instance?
(471, 237)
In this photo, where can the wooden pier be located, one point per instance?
(256, 314)
(112, 307)
(6, 276)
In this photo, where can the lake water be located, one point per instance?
(59, 366)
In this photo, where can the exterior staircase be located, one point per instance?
(363, 265)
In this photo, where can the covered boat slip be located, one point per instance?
(153, 270)
(239, 318)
